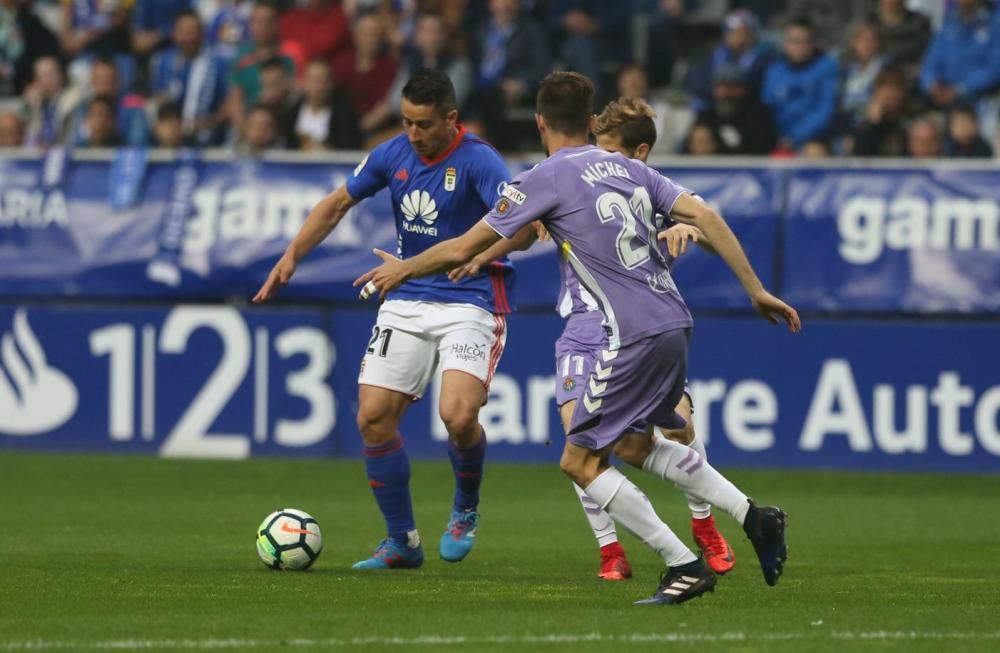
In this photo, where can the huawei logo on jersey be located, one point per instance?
(419, 204)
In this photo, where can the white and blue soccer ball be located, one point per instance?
(289, 539)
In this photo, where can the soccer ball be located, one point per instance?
(289, 539)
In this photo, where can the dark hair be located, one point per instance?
(274, 62)
(802, 22)
(168, 110)
(964, 108)
(109, 103)
(104, 60)
(890, 75)
(260, 106)
(187, 13)
(268, 4)
(433, 88)
(566, 102)
(631, 120)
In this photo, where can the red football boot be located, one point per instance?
(718, 554)
(614, 564)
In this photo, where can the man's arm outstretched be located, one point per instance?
(321, 221)
(440, 258)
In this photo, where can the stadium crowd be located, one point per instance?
(814, 78)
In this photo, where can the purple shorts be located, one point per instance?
(581, 340)
(628, 389)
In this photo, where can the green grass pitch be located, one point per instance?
(134, 553)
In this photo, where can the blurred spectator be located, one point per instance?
(49, 105)
(861, 65)
(319, 26)
(829, 18)
(227, 25)
(24, 38)
(11, 129)
(101, 130)
(801, 88)
(670, 134)
(129, 113)
(740, 47)
(665, 19)
(193, 78)
(702, 140)
(429, 51)
(168, 130)
(923, 138)
(742, 122)
(903, 33)
(511, 60)
(260, 132)
(277, 92)
(264, 44)
(964, 140)
(367, 73)
(881, 132)
(963, 62)
(815, 149)
(99, 26)
(324, 117)
(575, 29)
(153, 22)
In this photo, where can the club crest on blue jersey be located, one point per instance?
(450, 176)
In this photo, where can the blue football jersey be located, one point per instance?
(434, 200)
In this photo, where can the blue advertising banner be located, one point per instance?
(920, 241)
(213, 230)
(214, 381)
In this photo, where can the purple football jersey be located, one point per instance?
(574, 298)
(599, 208)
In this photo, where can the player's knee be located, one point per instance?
(461, 418)
(581, 470)
(684, 436)
(376, 425)
(633, 450)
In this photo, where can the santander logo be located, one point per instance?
(34, 397)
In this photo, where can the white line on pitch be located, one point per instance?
(459, 640)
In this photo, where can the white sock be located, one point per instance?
(699, 509)
(630, 508)
(600, 521)
(687, 468)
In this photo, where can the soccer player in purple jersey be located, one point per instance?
(598, 206)
(625, 126)
(441, 180)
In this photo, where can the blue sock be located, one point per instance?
(389, 477)
(468, 467)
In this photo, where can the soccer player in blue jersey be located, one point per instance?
(441, 179)
(598, 206)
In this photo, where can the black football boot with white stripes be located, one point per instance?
(683, 583)
(765, 527)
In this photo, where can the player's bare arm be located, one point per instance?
(678, 236)
(440, 258)
(521, 241)
(689, 210)
(321, 221)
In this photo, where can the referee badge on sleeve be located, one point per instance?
(450, 175)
